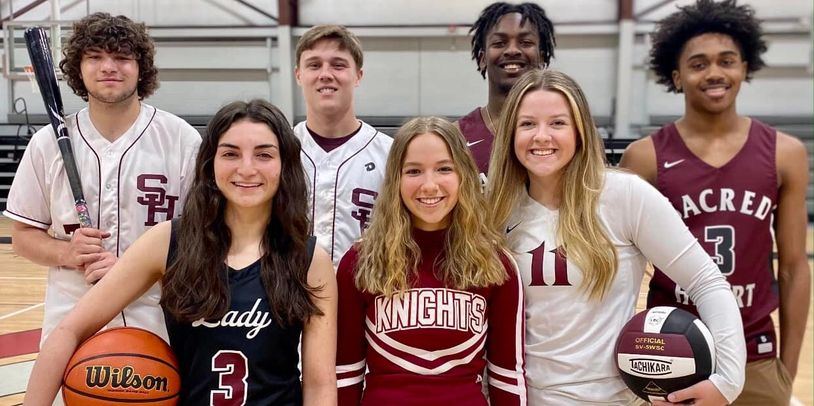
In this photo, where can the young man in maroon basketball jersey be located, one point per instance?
(734, 180)
(508, 40)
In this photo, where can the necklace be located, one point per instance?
(489, 116)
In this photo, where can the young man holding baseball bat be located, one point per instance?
(135, 164)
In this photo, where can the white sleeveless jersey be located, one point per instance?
(570, 339)
(130, 185)
(343, 185)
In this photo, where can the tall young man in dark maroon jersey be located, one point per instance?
(734, 180)
(508, 40)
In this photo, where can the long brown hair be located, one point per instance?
(579, 232)
(388, 254)
(195, 283)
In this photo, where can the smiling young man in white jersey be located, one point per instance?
(135, 162)
(739, 185)
(343, 156)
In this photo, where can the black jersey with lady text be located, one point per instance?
(245, 357)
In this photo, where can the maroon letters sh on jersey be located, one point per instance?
(729, 210)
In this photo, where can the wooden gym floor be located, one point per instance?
(22, 290)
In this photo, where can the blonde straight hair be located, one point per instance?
(388, 255)
(579, 232)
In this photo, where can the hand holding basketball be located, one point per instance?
(703, 393)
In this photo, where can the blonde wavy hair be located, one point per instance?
(579, 232)
(388, 255)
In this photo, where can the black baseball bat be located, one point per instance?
(39, 50)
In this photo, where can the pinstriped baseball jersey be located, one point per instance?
(343, 185)
(130, 184)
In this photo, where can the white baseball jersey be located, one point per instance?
(343, 185)
(130, 185)
(570, 339)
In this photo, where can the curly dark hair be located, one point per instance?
(705, 16)
(531, 12)
(112, 34)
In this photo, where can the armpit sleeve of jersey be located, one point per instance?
(28, 197)
(662, 237)
(351, 343)
(189, 157)
(504, 341)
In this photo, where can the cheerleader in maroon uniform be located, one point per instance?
(427, 298)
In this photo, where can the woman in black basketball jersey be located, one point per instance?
(240, 276)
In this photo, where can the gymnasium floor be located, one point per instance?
(22, 289)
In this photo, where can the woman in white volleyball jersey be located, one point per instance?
(582, 235)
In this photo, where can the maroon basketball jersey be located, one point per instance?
(478, 138)
(729, 210)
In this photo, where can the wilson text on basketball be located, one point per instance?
(102, 376)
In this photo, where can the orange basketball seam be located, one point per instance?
(100, 397)
(125, 354)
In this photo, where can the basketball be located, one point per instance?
(662, 350)
(123, 365)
